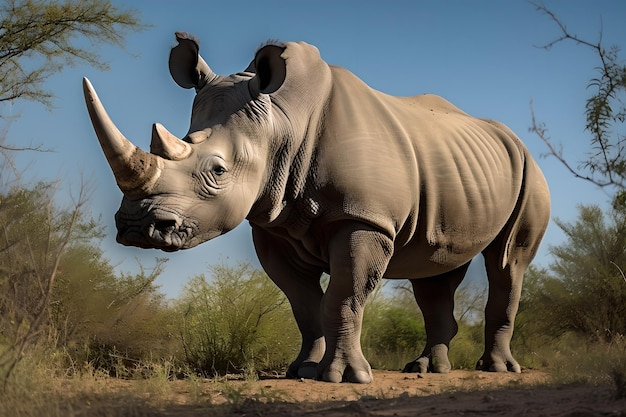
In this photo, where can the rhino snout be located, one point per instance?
(165, 226)
(160, 230)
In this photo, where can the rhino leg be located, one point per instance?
(301, 285)
(506, 260)
(435, 297)
(505, 288)
(358, 258)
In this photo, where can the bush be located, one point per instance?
(107, 321)
(393, 329)
(59, 293)
(239, 321)
(467, 346)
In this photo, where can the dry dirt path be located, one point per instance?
(395, 394)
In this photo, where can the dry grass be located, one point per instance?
(38, 390)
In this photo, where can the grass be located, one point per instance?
(39, 388)
(575, 362)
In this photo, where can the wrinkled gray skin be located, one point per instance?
(336, 177)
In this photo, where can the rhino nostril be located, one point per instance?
(165, 226)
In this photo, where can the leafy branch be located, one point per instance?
(41, 37)
(605, 111)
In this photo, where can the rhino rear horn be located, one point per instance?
(135, 170)
(167, 145)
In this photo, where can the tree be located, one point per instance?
(39, 38)
(605, 111)
(58, 291)
(44, 249)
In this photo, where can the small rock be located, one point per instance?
(488, 398)
(368, 398)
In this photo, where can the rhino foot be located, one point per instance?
(436, 362)
(363, 376)
(355, 369)
(419, 365)
(306, 370)
(488, 364)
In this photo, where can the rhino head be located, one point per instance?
(187, 191)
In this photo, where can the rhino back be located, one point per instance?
(441, 183)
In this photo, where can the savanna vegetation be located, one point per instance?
(67, 315)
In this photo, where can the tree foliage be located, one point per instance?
(108, 319)
(41, 37)
(605, 112)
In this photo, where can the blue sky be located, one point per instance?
(480, 55)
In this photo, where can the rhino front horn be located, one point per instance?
(135, 170)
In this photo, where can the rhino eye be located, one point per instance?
(218, 167)
(210, 177)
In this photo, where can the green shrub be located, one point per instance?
(393, 330)
(467, 346)
(115, 322)
(238, 321)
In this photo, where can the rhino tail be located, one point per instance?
(528, 221)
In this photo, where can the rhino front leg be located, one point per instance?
(435, 297)
(301, 285)
(358, 258)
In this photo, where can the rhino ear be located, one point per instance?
(270, 68)
(187, 67)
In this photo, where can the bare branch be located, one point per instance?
(620, 270)
(541, 131)
(566, 34)
(45, 269)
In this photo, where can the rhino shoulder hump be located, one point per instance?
(432, 103)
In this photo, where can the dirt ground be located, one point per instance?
(395, 394)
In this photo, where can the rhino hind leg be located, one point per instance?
(435, 297)
(505, 287)
(506, 260)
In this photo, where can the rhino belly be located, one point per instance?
(441, 245)
(421, 260)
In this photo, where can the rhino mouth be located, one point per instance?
(158, 229)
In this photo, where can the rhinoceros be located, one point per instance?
(335, 177)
